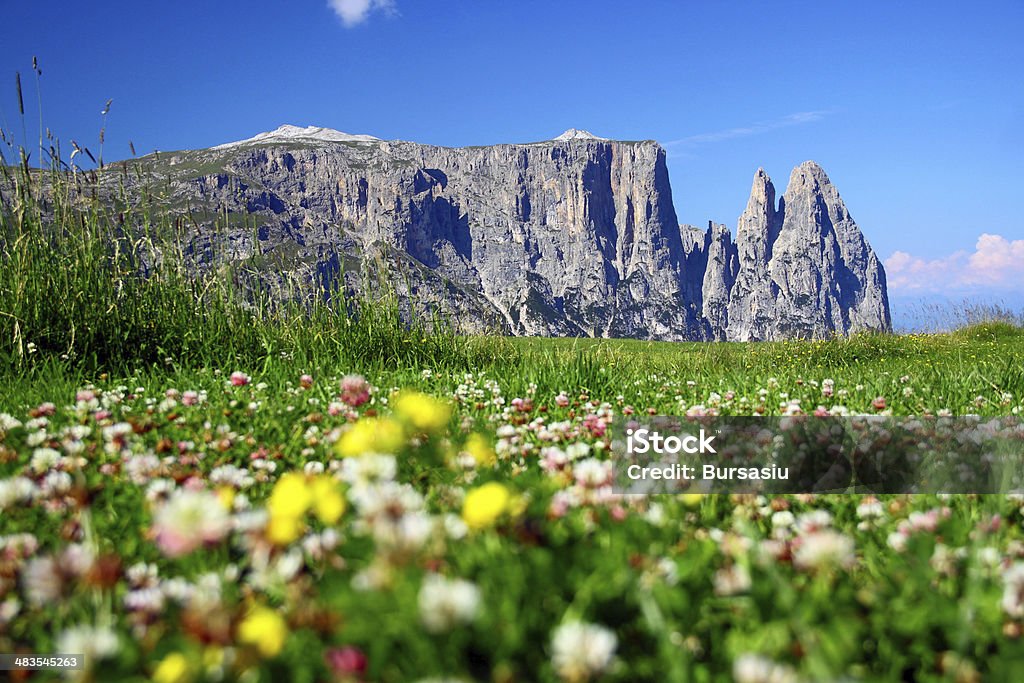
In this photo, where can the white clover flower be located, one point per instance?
(95, 642)
(141, 468)
(575, 451)
(45, 459)
(188, 520)
(276, 575)
(263, 464)
(812, 521)
(897, 540)
(870, 509)
(159, 489)
(580, 651)
(407, 534)
(313, 467)
(73, 447)
(505, 431)
(145, 600)
(316, 545)
(203, 595)
(37, 423)
(385, 499)
(655, 514)
(177, 589)
(43, 582)
(232, 475)
(7, 423)
(117, 431)
(36, 438)
(944, 560)
(16, 490)
(732, 580)
(366, 469)
(446, 603)
(9, 609)
(56, 484)
(19, 545)
(783, 519)
(77, 432)
(77, 559)
(142, 574)
(1013, 591)
(592, 472)
(825, 548)
(250, 520)
(454, 528)
(751, 668)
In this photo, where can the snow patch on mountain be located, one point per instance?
(577, 134)
(287, 133)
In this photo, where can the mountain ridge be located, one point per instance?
(573, 236)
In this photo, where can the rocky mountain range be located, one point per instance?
(571, 236)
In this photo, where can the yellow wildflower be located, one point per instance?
(371, 435)
(328, 503)
(226, 496)
(291, 496)
(485, 504)
(425, 413)
(478, 447)
(691, 500)
(265, 630)
(174, 668)
(284, 529)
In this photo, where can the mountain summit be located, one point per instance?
(288, 133)
(577, 134)
(804, 268)
(544, 238)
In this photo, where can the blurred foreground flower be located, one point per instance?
(174, 668)
(371, 435)
(346, 662)
(355, 390)
(189, 520)
(445, 603)
(264, 629)
(93, 642)
(480, 450)
(295, 495)
(824, 549)
(1013, 591)
(581, 651)
(424, 413)
(485, 504)
(751, 668)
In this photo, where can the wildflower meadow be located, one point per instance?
(192, 489)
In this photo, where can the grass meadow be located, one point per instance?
(199, 485)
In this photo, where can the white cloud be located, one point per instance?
(795, 119)
(995, 263)
(352, 12)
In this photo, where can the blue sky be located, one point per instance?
(915, 109)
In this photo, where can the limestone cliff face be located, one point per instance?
(572, 236)
(805, 269)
